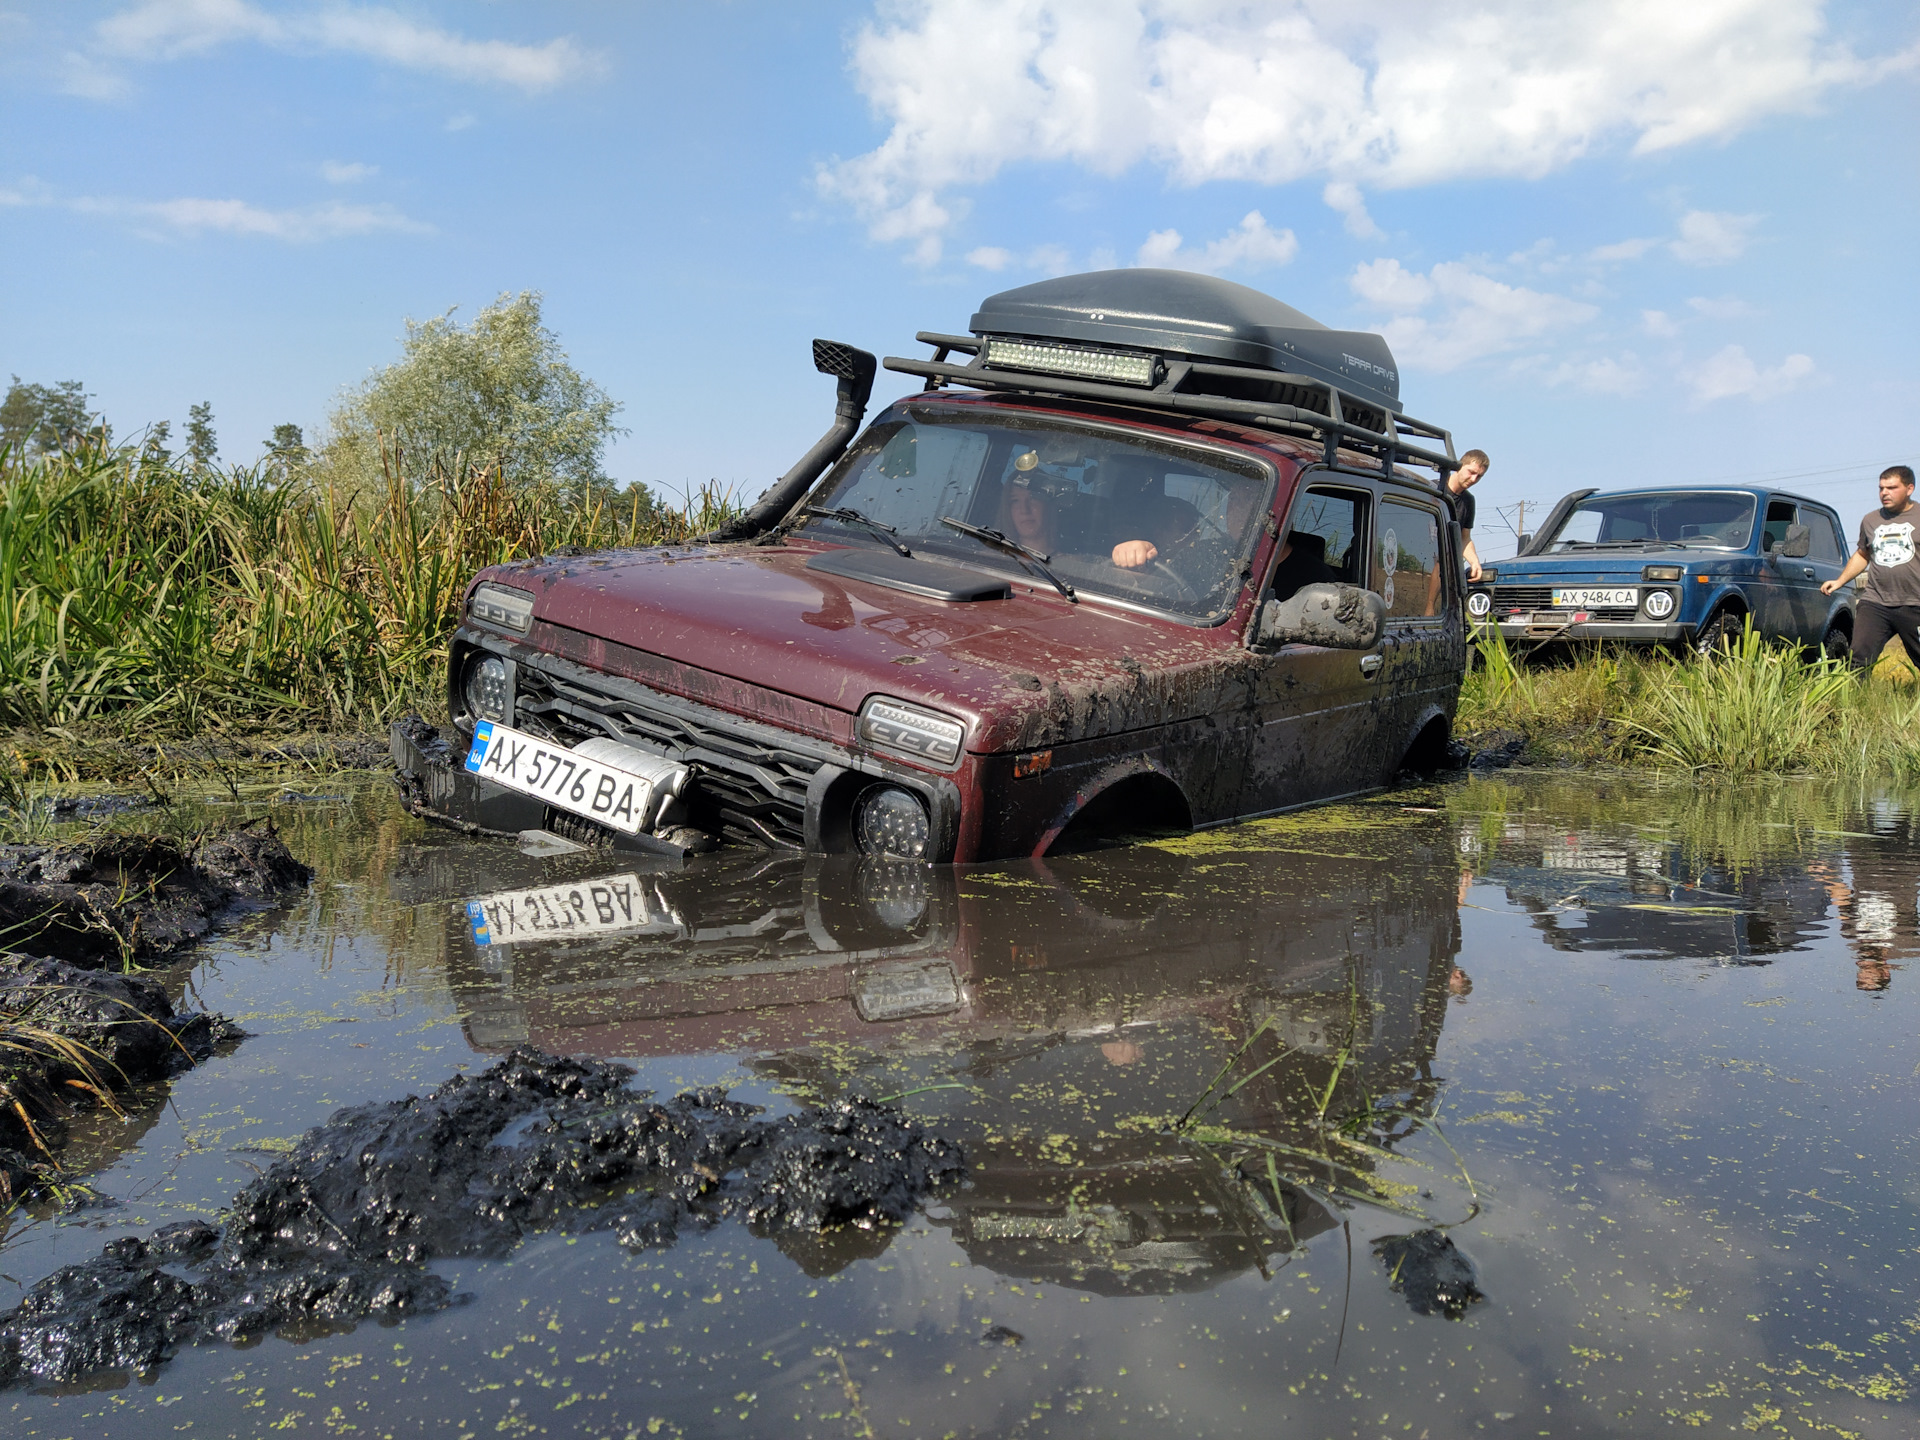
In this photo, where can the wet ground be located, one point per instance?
(1522, 1105)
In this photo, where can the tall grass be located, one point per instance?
(1750, 708)
(143, 596)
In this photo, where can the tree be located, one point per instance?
(35, 419)
(154, 447)
(287, 450)
(500, 391)
(202, 449)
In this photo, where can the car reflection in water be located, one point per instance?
(1061, 1018)
(1623, 895)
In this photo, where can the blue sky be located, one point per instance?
(1628, 241)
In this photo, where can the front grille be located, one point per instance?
(747, 784)
(1540, 597)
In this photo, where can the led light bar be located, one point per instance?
(497, 605)
(909, 731)
(1063, 360)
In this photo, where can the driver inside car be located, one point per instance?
(1142, 508)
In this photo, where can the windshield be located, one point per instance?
(1710, 519)
(1117, 515)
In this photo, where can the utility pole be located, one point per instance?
(1515, 517)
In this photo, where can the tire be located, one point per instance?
(1837, 643)
(1722, 628)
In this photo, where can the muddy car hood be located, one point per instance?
(1025, 672)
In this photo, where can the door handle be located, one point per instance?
(1370, 665)
(1808, 572)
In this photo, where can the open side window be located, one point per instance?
(1780, 515)
(1324, 541)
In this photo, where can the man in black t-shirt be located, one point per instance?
(1889, 554)
(1459, 488)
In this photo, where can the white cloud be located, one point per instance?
(1658, 322)
(160, 30)
(191, 215)
(1711, 238)
(1472, 314)
(1731, 372)
(1387, 284)
(1726, 307)
(1606, 376)
(336, 172)
(1621, 250)
(463, 121)
(1047, 259)
(1250, 245)
(1344, 196)
(237, 217)
(1369, 92)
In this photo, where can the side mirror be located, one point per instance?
(1795, 544)
(1525, 541)
(1341, 617)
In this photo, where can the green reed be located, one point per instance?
(142, 596)
(1750, 708)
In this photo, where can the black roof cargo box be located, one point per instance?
(1174, 312)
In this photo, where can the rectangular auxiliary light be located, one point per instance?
(497, 605)
(912, 732)
(1064, 360)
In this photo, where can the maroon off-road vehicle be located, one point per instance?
(1170, 555)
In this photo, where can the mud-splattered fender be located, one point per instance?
(1096, 785)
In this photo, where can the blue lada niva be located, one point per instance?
(1674, 567)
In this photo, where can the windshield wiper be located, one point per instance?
(1033, 559)
(849, 516)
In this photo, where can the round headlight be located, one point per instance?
(1660, 603)
(896, 894)
(486, 688)
(890, 821)
(1479, 604)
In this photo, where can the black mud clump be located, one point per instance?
(126, 1030)
(137, 898)
(1498, 749)
(345, 1226)
(1428, 1268)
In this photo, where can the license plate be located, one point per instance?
(607, 906)
(1621, 597)
(616, 798)
(898, 992)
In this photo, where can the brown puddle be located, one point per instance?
(1536, 1105)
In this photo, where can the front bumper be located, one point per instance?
(1643, 632)
(752, 781)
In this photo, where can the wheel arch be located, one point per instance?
(1126, 797)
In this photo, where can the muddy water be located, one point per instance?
(1635, 1065)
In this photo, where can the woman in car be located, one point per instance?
(1030, 504)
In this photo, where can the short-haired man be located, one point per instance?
(1460, 485)
(1887, 553)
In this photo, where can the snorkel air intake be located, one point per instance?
(854, 370)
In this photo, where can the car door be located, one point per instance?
(1421, 659)
(1316, 727)
(1826, 558)
(1784, 592)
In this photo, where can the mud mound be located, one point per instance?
(124, 1020)
(138, 897)
(339, 1230)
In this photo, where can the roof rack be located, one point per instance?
(1301, 405)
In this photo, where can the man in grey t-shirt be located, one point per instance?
(1889, 554)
